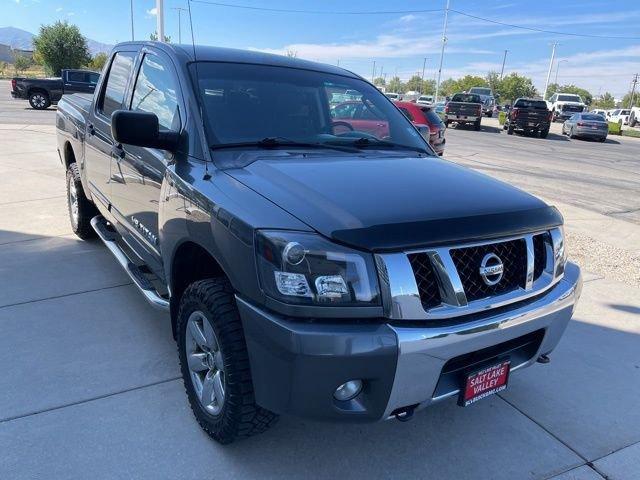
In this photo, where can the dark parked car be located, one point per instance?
(44, 92)
(309, 265)
(586, 125)
(464, 108)
(529, 116)
(428, 123)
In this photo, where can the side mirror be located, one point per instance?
(141, 129)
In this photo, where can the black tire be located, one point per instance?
(571, 134)
(239, 416)
(602, 140)
(510, 130)
(544, 133)
(39, 100)
(477, 125)
(446, 123)
(632, 120)
(81, 221)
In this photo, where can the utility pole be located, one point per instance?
(373, 72)
(338, 64)
(180, 10)
(553, 55)
(131, 8)
(444, 41)
(633, 90)
(160, 19)
(424, 65)
(504, 59)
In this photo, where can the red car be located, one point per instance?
(425, 116)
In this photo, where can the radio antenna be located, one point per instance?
(207, 175)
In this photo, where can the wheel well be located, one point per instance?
(36, 89)
(190, 263)
(69, 156)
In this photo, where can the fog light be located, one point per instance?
(348, 390)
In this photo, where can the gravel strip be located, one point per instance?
(603, 259)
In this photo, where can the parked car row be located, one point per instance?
(44, 92)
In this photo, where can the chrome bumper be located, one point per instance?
(422, 352)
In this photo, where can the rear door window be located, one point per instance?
(432, 116)
(407, 113)
(118, 77)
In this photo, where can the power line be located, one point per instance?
(540, 30)
(317, 12)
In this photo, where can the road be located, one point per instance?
(20, 112)
(90, 381)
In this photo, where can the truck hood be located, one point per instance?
(395, 202)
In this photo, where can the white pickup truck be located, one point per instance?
(564, 105)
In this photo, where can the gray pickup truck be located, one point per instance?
(333, 269)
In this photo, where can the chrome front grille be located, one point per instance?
(513, 255)
(446, 282)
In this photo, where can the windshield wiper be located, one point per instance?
(365, 142)
(277, 142)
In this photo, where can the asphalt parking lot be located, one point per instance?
(90, 383)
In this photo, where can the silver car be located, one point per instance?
(586, 125)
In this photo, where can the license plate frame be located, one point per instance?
(471, 392)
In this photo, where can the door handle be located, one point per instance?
(117, 151)
(90, 129)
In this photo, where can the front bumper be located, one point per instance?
(297, 366)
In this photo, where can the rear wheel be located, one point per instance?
(39, 100)
(81, 210)
(510, 129)
(477, 125)
(215, 363)
(602, 140)
(571, 134)
(544, 133)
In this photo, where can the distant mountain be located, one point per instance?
(23, 40)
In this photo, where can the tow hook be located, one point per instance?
(543, 359)
(405, 414)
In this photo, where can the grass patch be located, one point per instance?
(630, 133)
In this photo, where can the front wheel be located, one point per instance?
(544, 133)
(215, 363)
(477, 126)
(510, 130)
(81, 210)
(39, 100)
(571, 134)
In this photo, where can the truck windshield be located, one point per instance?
(569, 98)
(480, 91)
(246, 104)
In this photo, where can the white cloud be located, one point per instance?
(59, 9)
(70, 14)
(152, 11)
(408, 18)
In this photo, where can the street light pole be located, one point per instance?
(373, 72)
(504, 59)
(424, 65)
(553, 55)
(160, 19)
(131, 8)
(180, 10)
(444, 41)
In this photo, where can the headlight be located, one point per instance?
(304, 268)
(559, 250)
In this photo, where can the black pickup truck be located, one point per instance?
(44, 92)
(464, 108)
(321, 267)
(529, 116)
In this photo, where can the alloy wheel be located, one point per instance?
(72, 194)
(206, 365)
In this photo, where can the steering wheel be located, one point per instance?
(339, 123)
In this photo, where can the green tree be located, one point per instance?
(98, 61)
(584, 94)
(428, 87)
(604, 101)
(395, 85)
(61, 45)
(627, 101)
(21, 63)
(494, 83)
(379, 82)
(414, 84)
(448, 87)
(468, 81)
(514, 86)
(167, 38)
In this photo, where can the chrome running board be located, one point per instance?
(109, 237)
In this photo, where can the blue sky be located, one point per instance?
(394, 41)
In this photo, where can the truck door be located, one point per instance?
(77, 81)
(98, 140)
(138, 172)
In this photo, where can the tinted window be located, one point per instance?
(432, 116)
(78, 77)
(156, 92)
(597, 118)
(466, 98)
(113, 95)
(625, 112)
(93, 78)
(407, 113)
(247, 103)
(538, 104)
(569, 98)
(480, 91)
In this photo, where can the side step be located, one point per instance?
(99, 224)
